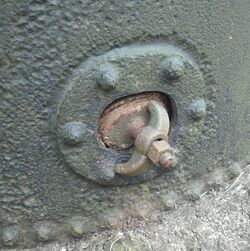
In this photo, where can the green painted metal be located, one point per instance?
(44, 45)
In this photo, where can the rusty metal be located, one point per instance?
(150, 144)
(110, 93)
(120, 122)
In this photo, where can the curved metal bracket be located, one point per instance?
(150, 144)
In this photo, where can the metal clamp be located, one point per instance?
(151, 144)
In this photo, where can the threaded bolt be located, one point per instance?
(166, 160)
(10, 235)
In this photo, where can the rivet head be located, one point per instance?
(78, 225)
(107, 78)
(169, 200)
(198, 109)
(10, 235)
(73, 132)
(45, 231)
(173, 67)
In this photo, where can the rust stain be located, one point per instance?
(121, 121)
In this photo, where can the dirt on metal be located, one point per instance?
(218, 221)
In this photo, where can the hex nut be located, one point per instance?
(198, 109)
(73, 132)
(173, 67)
(10, 235)
(157, 149)
(107, 78)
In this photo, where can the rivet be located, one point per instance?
(195, 190)
(46, 231)
(173, 67)
(10, 235)
(78, 225)
(198, 109)
(169, 200)
(73, 132)
(216, 178)
(234, 170)
(107, 78)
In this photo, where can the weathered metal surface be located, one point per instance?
(140, 71)
(46, 47)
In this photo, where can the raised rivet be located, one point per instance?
(169, 200)
(78, 225)
(107, 78)
(10, 235)
(198, 109)
(73, 132)
(173, 67)
(46, 231)
(216, 178)
(195, 190)
(234, 170)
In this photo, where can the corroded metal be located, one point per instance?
(150, 142)
(67, 61)
(121, 121)
(161, 154)
(137, 165)
(109, 93)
